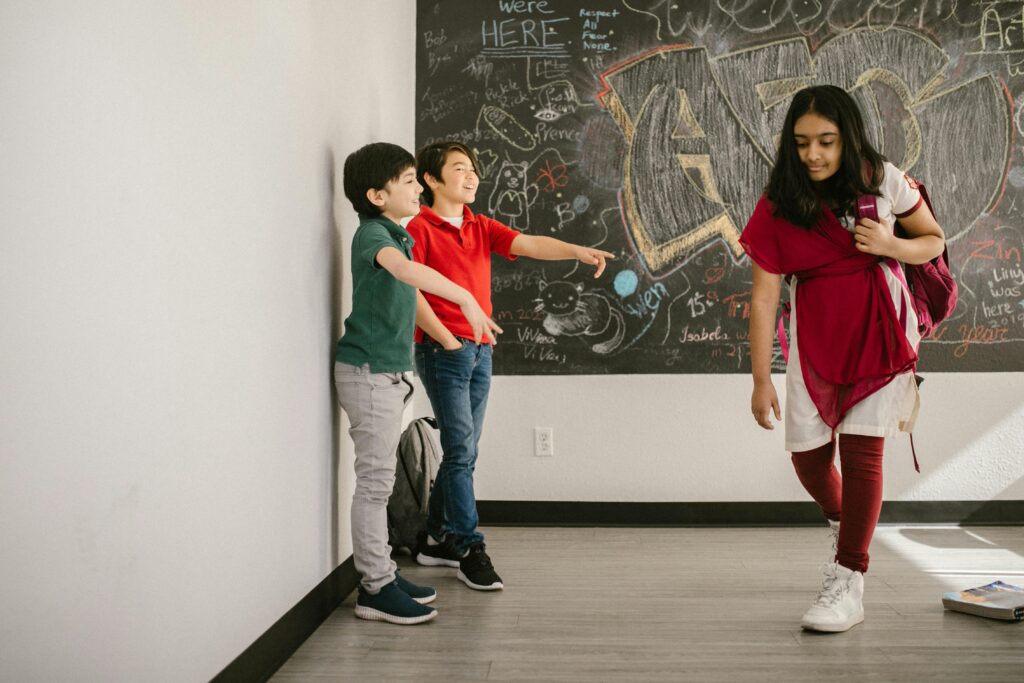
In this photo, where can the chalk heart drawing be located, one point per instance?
(700, 133)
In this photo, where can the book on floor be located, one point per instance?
(996, 600)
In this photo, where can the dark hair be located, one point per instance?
(791, 189)
(431, 160)
(371, 167)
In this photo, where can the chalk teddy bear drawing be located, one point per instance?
(512, 195)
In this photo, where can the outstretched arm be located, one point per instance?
(429, 280)
(764, 302)
(550, 249)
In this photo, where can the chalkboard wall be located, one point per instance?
(647, 128)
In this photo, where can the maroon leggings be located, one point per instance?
(855, 498)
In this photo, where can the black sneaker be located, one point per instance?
(392, 605)
(477, 572)
(443, 554)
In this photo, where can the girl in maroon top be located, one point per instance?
(849, 376)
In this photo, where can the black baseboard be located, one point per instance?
(265, 656)
(578, 513)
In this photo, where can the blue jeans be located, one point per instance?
(457, 384)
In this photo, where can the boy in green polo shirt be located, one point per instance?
(373, 355)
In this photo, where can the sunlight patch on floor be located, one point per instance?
(956, 557)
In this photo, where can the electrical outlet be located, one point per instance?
(543, 442)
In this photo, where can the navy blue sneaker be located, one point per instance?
(421, 594)
(477, 572)
(442, 554)
(392, 605)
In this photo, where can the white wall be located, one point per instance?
(691, 438)
(169, 291)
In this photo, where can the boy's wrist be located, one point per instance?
(451, 342)
(444, 337)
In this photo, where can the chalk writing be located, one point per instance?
(522, 37)
(648, 128)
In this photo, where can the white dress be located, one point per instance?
(892, 408)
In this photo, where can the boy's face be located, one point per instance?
(400, 197)
(458, 180)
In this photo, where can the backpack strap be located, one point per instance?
(782, 327)
(783, 338)
(896, 268)
(424, 496)
(408, 475)
(867, 206)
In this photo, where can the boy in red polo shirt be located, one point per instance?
(455, 370)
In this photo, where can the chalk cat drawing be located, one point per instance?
(570, 311)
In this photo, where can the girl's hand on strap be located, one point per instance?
(763, 402)
(873, 237)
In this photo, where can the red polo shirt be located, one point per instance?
(463, 255)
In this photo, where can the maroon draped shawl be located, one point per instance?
(850, 341)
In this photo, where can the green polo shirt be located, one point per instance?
(379, 330)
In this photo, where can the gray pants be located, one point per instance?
(373, 402)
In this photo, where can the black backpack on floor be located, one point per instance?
(418, 459)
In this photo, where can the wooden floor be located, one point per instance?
(688, 605)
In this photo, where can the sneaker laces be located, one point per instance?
(833, 589)
(835, 596)
(481, 559)
(833, 532)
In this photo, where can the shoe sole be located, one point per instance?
(371, 614)
(425, 601)
(833, 628)
(428, 561)
(497, 586)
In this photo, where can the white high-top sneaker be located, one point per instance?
(838, 606)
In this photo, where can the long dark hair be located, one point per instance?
(790, 188)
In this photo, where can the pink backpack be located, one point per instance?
(933, 291)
